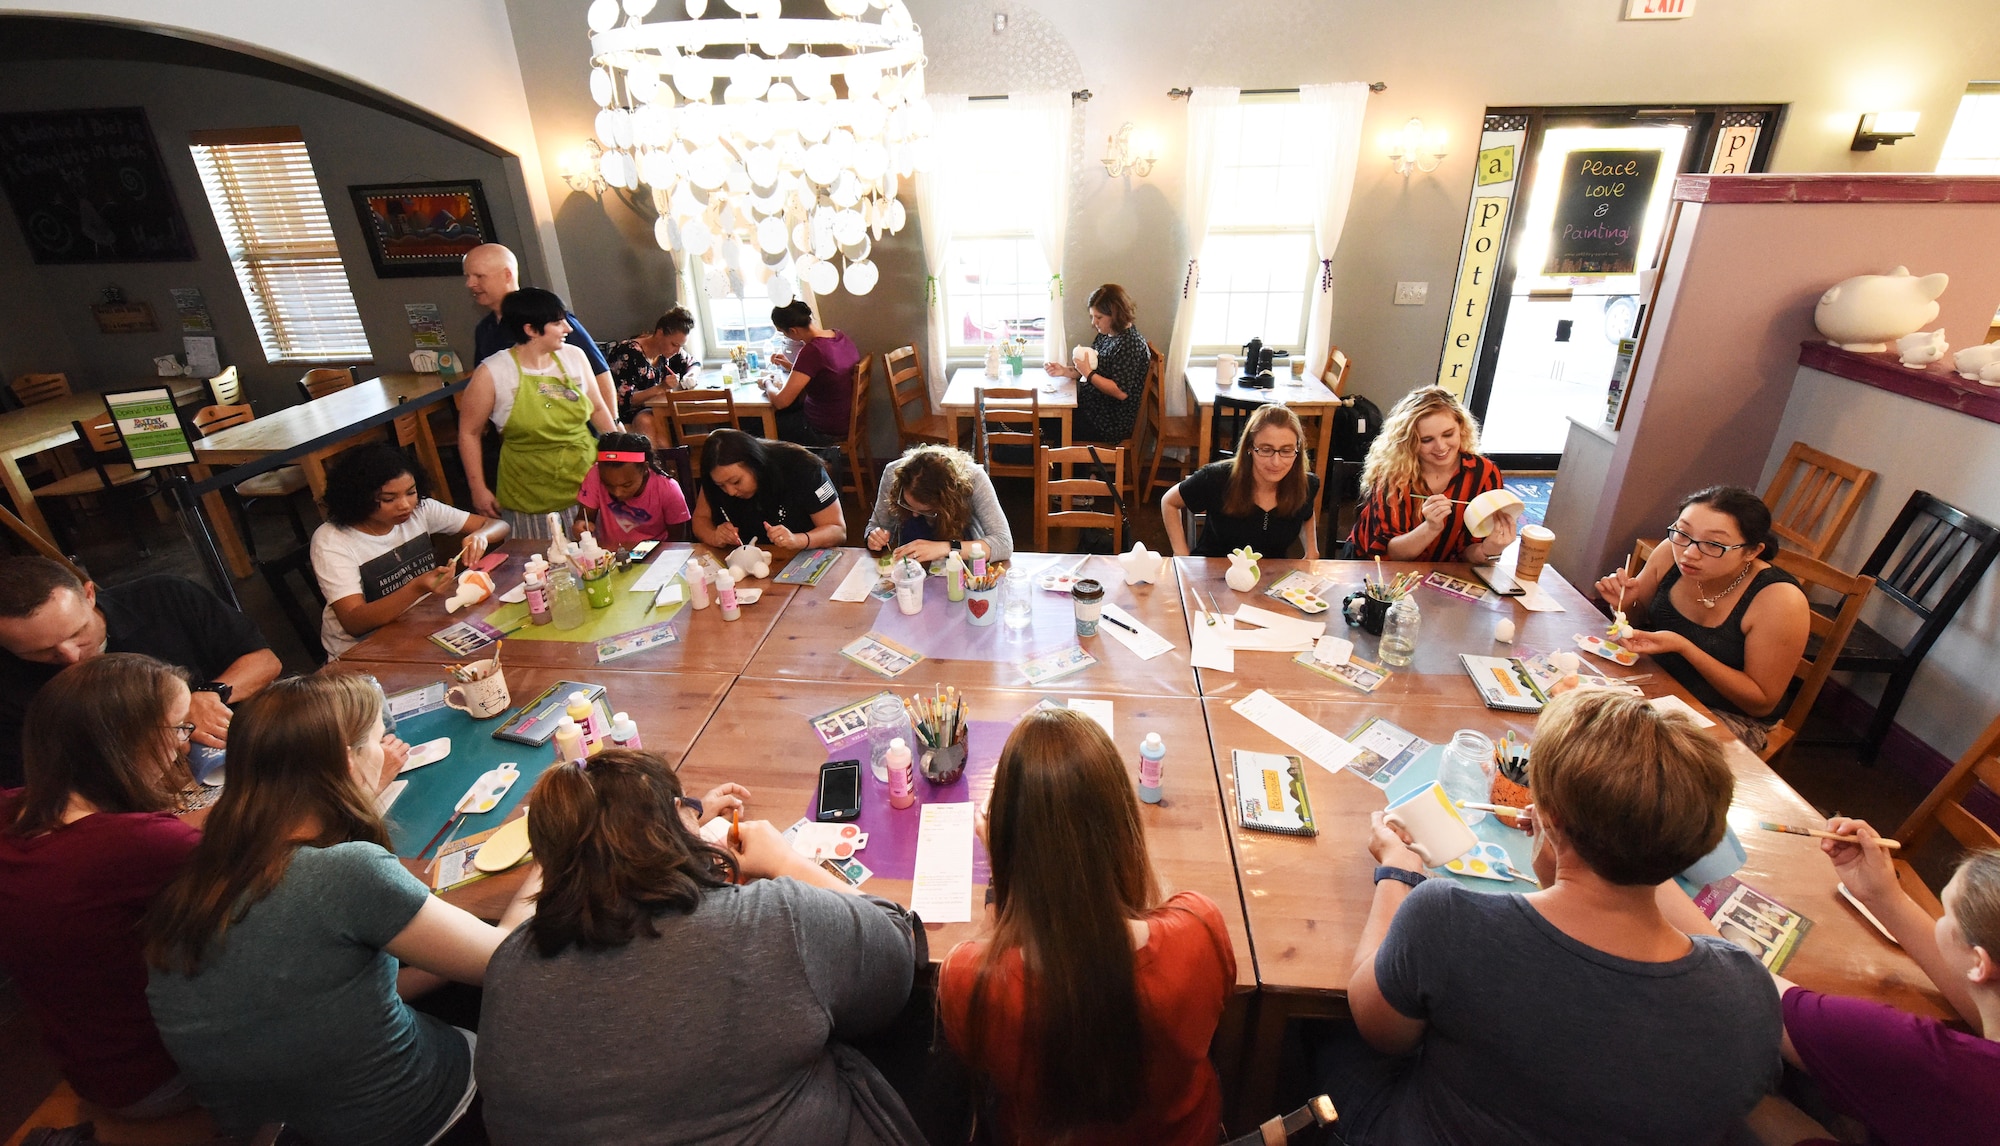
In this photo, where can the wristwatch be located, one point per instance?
(219, 688)
(1399, 874)
(954, 545)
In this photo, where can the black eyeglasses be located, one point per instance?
(1269, 452)
(908, 508)
(184, 731)
(1681, 539)
(691, 803)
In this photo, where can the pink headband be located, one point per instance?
(620, 456)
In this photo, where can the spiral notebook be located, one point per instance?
(1271, 793)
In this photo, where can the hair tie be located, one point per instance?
(620, 456)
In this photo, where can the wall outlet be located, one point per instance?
(1411, 294)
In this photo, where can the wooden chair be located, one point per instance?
(854, 448)
(692, 415)
(1155, 368)
(226, 388)
(302, 610)
(278, 485)
(108, 471)
(1642, 552)
(327, 380)
(1020, 429)
(1334, 374)
(677, 462)
(34, 389)
(1816, 664)
(1945, 806)
(1813, 497)
(1066, 487)
(910, 399)
(1182, 433)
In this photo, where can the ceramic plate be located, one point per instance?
(507, 846)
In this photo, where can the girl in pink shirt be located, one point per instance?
(629, 498)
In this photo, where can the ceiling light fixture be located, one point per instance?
(793, 164)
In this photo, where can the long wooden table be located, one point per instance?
(1308, 397)
(31, 430)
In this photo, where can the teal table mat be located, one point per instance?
(434, 790)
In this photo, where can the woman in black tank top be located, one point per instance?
(1716, 614)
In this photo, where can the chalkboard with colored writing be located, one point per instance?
(88, 187)
(1600, 210)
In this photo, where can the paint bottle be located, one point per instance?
(536, 587)
(697, 582)
(569, 742)
(1152, 755)
(979, 565)
(725, 595)
(898, 763)
(954, 577)
(624, 732)
(581, 710)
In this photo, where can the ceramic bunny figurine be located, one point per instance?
(1867, 312)
(1141, 565)
(1979, 363)
(473, 587)
(748, 561)
(1243, 573)
(1922, 348)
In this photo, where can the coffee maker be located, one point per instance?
(1257, 359)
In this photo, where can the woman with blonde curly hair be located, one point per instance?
(1422, 469)
(935, 500)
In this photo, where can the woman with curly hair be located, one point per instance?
(935, 500)
(374, 556)
(1422, 469)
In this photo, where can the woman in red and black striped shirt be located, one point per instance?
(1422, 469)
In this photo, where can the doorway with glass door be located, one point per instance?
(1582, 234)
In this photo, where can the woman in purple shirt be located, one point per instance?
(815, 401)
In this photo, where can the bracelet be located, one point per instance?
(1399, 874)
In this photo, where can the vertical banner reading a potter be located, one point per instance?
(1600, 208)
(1494, 180)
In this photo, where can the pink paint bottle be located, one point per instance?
(897, 760)
(725, 595)
(697, 580)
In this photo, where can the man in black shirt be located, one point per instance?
(491, 274)
(49, 620)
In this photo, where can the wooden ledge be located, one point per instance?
(1896, 188)
(1937, 384)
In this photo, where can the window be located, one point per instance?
(1257, 264)
(723, 321)
(1973, 146)
(996, 282)
(267, 203)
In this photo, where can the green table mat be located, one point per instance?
(626, 612)
(434, 789)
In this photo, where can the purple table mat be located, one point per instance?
(943, 630)
(892, 832)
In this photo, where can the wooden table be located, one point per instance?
(1308, 397)
(806, 642)
(708, 643)
(961, 396)
(320, 420)
(31, 430)
(670, 709)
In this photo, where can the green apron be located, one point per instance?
(546, 447)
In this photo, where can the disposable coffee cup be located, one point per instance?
(1088, 597)
(1535, 542)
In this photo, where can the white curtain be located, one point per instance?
(1045, 170)
(1211, 111)
(934, 216)
(1332, 122)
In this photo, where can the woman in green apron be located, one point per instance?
(537, 393)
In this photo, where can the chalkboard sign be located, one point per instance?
(88, 187)
(1600, 208)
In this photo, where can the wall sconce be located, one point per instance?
(1877, 127)
(1122, 155)
(579, 169)
(1414, 149)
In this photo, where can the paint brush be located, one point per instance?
(443, 836)
(1819, 833)
(735, 832)
(1496, 809)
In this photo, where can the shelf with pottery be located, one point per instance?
(1937, 383)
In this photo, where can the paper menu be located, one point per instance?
(664, 568)
(1672, 703)
(1304, 632)
(1297, 730)
(861, 577)
(1098, 710)
(1145, 643)
(1210, 644)
(941, 888)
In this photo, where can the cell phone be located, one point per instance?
(839, 791)
(643, 550)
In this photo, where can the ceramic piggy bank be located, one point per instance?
(1867, 312)
(1979, 363)
(1922, 348)
(1243, 572)
(1141, 565)
(748, 561)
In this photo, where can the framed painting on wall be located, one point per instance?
(422, 229)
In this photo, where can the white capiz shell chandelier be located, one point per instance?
(783, 178)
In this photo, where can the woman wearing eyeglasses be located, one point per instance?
(934, 500)
(1724, 622)
(1263, 497)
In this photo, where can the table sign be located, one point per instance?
(151, 429)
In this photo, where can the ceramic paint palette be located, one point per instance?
(429, 752)
(749, 596)
(485, 793)
(1302, 600)
(1487, 861)
(1598, 646)
(817, 841)
(507, 846)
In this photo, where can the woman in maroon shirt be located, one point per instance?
(1422, 469)
(816, 398)
(84, 847)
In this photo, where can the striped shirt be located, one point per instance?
(1388, 514)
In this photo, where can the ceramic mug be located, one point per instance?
(1437, 834)
(482, 697)
(1369, 613)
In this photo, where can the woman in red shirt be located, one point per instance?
(84, 848)
(1422, 469)
(1089, 1010)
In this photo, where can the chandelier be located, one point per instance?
(788, 174)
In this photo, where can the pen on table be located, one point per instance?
(1819, 833)
(1120, 624)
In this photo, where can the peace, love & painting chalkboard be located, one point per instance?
(1600, 207)
(88, 187)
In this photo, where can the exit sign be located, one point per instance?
(1658, 9)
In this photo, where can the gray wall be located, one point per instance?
(48, 324)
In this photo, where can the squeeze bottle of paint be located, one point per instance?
(954, 577)
(979, 565)
(624, 732)
(725, 595)
(1152, 753)
(569, 742)
(898, 763)
(536, 586)
(585, 714)
(697, 579)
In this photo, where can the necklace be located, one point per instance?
(1710, 602)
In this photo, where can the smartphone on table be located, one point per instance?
(839, 791)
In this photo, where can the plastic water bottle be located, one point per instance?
(888, 722)
(897, 761)
(1466, 771)
(1152, 755)
(1399, 632)
(566, 602)
(1017, 608)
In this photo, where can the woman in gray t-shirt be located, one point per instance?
(653, 999)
